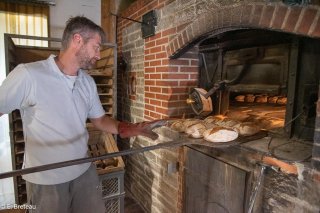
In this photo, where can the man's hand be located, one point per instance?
(144, 128)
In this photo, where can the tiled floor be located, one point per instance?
(130, 205)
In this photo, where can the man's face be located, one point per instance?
(89, 52)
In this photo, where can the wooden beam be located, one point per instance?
(108, 22)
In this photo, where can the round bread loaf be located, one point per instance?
(239, 98)
(228, 122)
(282, 100)
(214, 119)
(190, 122)
(272, 100)
(220, 134)
(210, 125)
(249, 98)
(196, 130)
(247, 128)
(261, 99)
(178, 126)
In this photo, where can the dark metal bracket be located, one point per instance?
(151, 19)
(148, 23)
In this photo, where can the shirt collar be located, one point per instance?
(56, 69)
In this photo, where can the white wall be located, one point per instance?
(64, 9)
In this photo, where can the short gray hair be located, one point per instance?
(82, 25)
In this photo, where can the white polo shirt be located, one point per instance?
(54, 115)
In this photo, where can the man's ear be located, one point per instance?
(77, 38)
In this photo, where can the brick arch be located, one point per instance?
(300, 20)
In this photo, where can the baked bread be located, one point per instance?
(196, 130)
(282, 100)
(228, 122)
(178, 126)
(239, 98)
(249, 98)
(210, 125)
(247, 128)
(272, 100)
(261, 99)
(190, 122)
(220, 134)
(214, 119)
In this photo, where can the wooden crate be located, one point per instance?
(99, 144)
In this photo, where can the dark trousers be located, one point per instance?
(81, 195)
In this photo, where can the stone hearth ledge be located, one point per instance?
(286, 155)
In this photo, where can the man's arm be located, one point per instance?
(1, 114)
(105, 124)
(125, 129)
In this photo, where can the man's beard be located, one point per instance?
(84, 60)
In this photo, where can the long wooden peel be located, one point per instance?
(92, 159)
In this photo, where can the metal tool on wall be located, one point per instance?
(148, 23)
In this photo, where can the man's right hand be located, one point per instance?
(144, 128)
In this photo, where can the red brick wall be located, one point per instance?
(167, 82)
(135, 11)
(295, 19)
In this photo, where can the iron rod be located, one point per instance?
(130, 19)
(92, 159)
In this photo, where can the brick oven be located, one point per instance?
(274, 47)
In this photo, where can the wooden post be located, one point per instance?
(108, 22)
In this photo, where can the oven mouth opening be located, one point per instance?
(275, 80)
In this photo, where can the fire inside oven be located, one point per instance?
(260, 78)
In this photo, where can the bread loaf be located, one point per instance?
(214, 119)
(261, 99)
(247, 128)
(190, 122)
(249, 98)
(178, 126)
(220, 134)
(228, 122)
(240, 98)
(282, 100)
(196, 130)
(272, 100)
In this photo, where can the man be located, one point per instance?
(55, 97)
